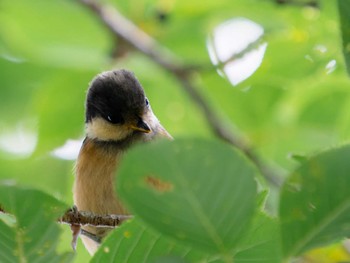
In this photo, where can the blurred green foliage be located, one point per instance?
(50, 50)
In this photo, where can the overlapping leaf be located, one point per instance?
(198, 192)
(35, 234)
(315, 202)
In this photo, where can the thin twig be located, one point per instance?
(130, 33)
(250, 47)
(123, 28)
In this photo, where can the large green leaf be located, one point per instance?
(344, 12)
(200, 192)
(315, 202)
(135, 242)
(35, 234)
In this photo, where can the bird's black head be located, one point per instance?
(116, 107)
(117, 110)
(115, 96)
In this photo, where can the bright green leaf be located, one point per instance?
(200, 192)
(315, 202)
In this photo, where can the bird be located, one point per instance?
(118, 115)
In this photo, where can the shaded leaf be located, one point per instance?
(315, 202)
(7, 244)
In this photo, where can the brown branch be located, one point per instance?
(250, 47)
(123, 28)
(76, 219)
(130, 33)
(84, 218)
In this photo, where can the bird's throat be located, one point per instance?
(95, 175)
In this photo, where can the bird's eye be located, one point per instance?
(115, 119)
(147, 102)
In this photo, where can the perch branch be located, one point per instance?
(84, 218)
(123, 28)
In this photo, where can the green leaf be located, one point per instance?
(344, 12)
(35, 234)
(135, 242)
(261, 243)
(200, 192)
(7, 243)
(315, 202)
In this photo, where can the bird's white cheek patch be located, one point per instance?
(100, 129)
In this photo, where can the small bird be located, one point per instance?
(118, 115)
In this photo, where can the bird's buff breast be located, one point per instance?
(94, 183)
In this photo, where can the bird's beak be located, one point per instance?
(141, 126)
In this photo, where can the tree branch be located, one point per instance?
(130, 33)
(123, 28)
(84, 218)
(76, 219)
